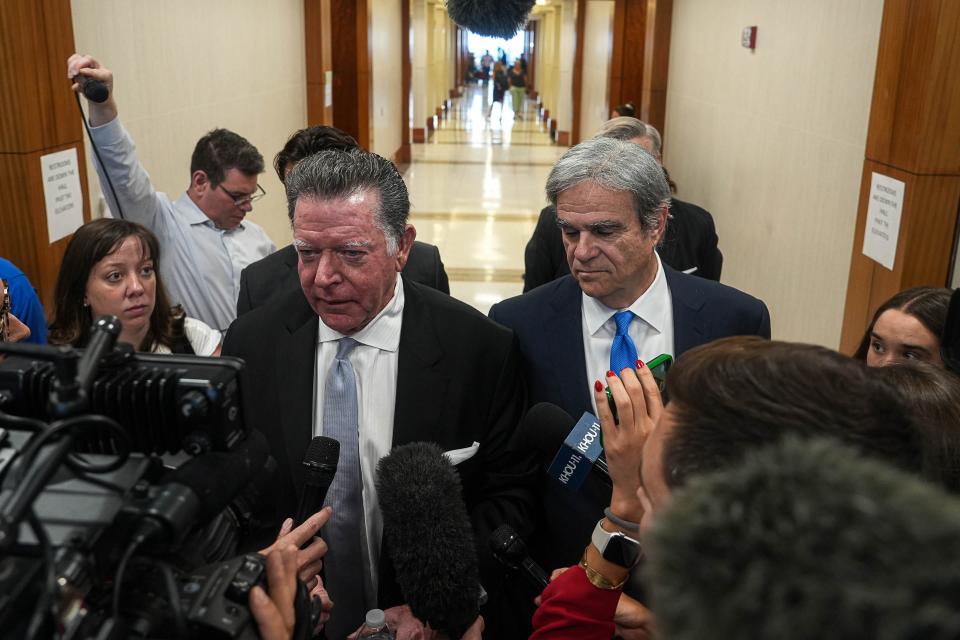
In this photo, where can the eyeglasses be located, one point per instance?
(243, 198)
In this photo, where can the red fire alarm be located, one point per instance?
(749, 38)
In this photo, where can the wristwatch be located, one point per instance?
(616, 547)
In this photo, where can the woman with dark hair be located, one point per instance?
(932, 396)
(906, 327)
(111, 267)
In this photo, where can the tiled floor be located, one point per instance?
(477, 190)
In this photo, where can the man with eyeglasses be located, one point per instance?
(204, 236)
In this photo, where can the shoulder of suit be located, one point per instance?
(445, 308)
(688, 209)
(518, 307)
(276, 260)
(709, 290)
(273, 314)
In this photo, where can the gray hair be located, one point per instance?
(627, 128)
(334, 174)
(618, 166)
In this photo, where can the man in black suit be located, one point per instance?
(619, 305)
(689, 244)
(401, 361)
(277, 273)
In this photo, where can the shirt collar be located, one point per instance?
(194, 215)
(651, 306)
(383, 332)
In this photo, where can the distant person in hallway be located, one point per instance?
(205, 236)
(486, 61)
(518, 87)
(689, 244)
(24, 304)
(366, 356)
(907, 327)
(620, 303)
(500, 85)
(277, 273)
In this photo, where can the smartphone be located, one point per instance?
(659, 367)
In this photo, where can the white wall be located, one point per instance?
(183, 67)
(772, 143)
(597, 46)
(386, 63)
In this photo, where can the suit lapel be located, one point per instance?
(296, 352)
(689, 324)
(420, 377)
(564, 330)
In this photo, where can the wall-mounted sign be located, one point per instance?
(883, 219)
(61, 191)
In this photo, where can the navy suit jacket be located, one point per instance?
(547, 322)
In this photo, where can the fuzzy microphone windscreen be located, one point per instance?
(494, 18)
(429, 537)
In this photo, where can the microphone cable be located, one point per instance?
(96, 152)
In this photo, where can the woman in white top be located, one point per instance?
(111, 267)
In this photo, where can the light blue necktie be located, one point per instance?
(623, 352)
(344, 533)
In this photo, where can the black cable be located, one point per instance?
(50, 578)
(96, 152)
(55, 429)
(118, 578)
(20, 423)
(173, 596)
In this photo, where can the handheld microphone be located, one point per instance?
(508, 548)
(200, 489)
(429, 536)
(950, 339)
(319, 467)
(94, 90)
(495, 18)
(580, 453)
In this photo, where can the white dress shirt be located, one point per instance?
(200, 264)
(375, 360)
(651, 330)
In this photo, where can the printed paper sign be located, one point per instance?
(883, 219)
(61, 191)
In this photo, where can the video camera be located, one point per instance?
(95, 532)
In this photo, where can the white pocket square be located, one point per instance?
(456, 456)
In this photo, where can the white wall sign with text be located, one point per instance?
(883, 219)
(61, 191)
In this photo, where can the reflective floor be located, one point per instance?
(477, 189)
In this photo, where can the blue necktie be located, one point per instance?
(623, 352)
(344, 533)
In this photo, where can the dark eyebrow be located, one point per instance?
(912, 347)
(605, 225)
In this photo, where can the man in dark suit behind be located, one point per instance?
(619, 305)
(277, 273)
(375, 360)
(689, 244)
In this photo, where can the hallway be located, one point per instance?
(476, 189)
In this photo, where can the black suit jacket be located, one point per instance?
(277, 273)
(458, 382)
(690, 245)
(547, 322)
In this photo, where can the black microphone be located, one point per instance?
(495, 18)
(429, 537)
(94, 90)
(319, 467)
(509, 549)
(950, 338)
(572, 447)
(201, 488)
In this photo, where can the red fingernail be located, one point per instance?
(640, 364)
(611, 374)
(598, 386)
